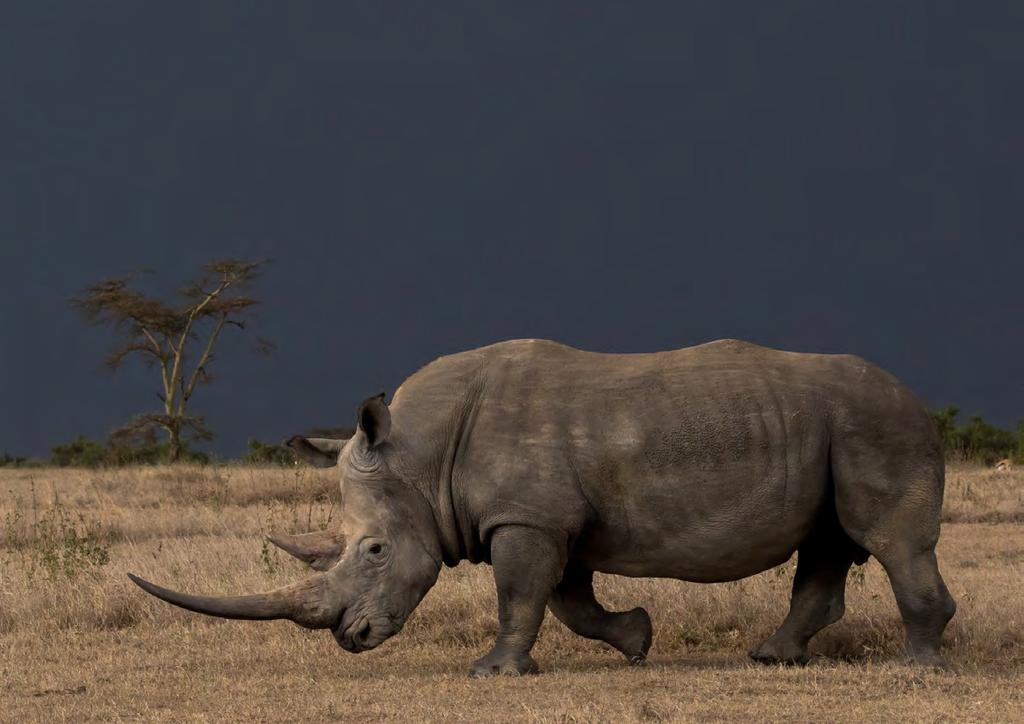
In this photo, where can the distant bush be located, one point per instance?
(945, 423)
(261, 453)
(85, 453)
(987, 443)
(977, 441)
(138, 445)
(7, 461)
(80, 452)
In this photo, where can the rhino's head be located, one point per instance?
(374, 571)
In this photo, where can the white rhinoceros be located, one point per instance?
(709, 463)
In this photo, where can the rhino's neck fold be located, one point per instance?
(459, 537)
(439, 408)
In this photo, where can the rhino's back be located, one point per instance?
(733, 412)
(726, 377)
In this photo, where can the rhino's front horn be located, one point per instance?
(306, 603)
(320, 549)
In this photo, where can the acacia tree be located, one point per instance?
(178, 339)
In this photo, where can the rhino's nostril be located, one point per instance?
(363, 633)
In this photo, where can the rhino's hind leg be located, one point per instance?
(574, 604)
(923, 599)
(895, 516)
(819, 591)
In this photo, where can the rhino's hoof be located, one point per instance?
(780, 652)
(633, 638)
(499, 664)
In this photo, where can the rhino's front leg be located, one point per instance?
(527, 565)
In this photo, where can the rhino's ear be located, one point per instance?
(320, 452)
(374, 420)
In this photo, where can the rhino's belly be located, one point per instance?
(706, 534)
(685, 559)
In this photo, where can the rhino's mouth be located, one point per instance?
(354, 636)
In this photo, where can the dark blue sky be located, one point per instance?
(821, 176)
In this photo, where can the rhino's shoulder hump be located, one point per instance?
(528, 346)
(734, 346)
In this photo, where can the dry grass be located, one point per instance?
(94, 647)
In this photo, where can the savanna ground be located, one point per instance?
(78, 641)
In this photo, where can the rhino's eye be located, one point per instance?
(375, 551)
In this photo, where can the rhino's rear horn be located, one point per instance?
(320, 549)
(320, 452)
(305, 603)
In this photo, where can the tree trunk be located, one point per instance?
(174, 441)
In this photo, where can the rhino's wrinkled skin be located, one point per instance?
(709, 463)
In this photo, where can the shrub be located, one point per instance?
(65, 546)
(945, 421)
(85, 453)
(261, 453)
(977, 441)
(986, 443)
(55, 544)
(80, 452)
(8, 461)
